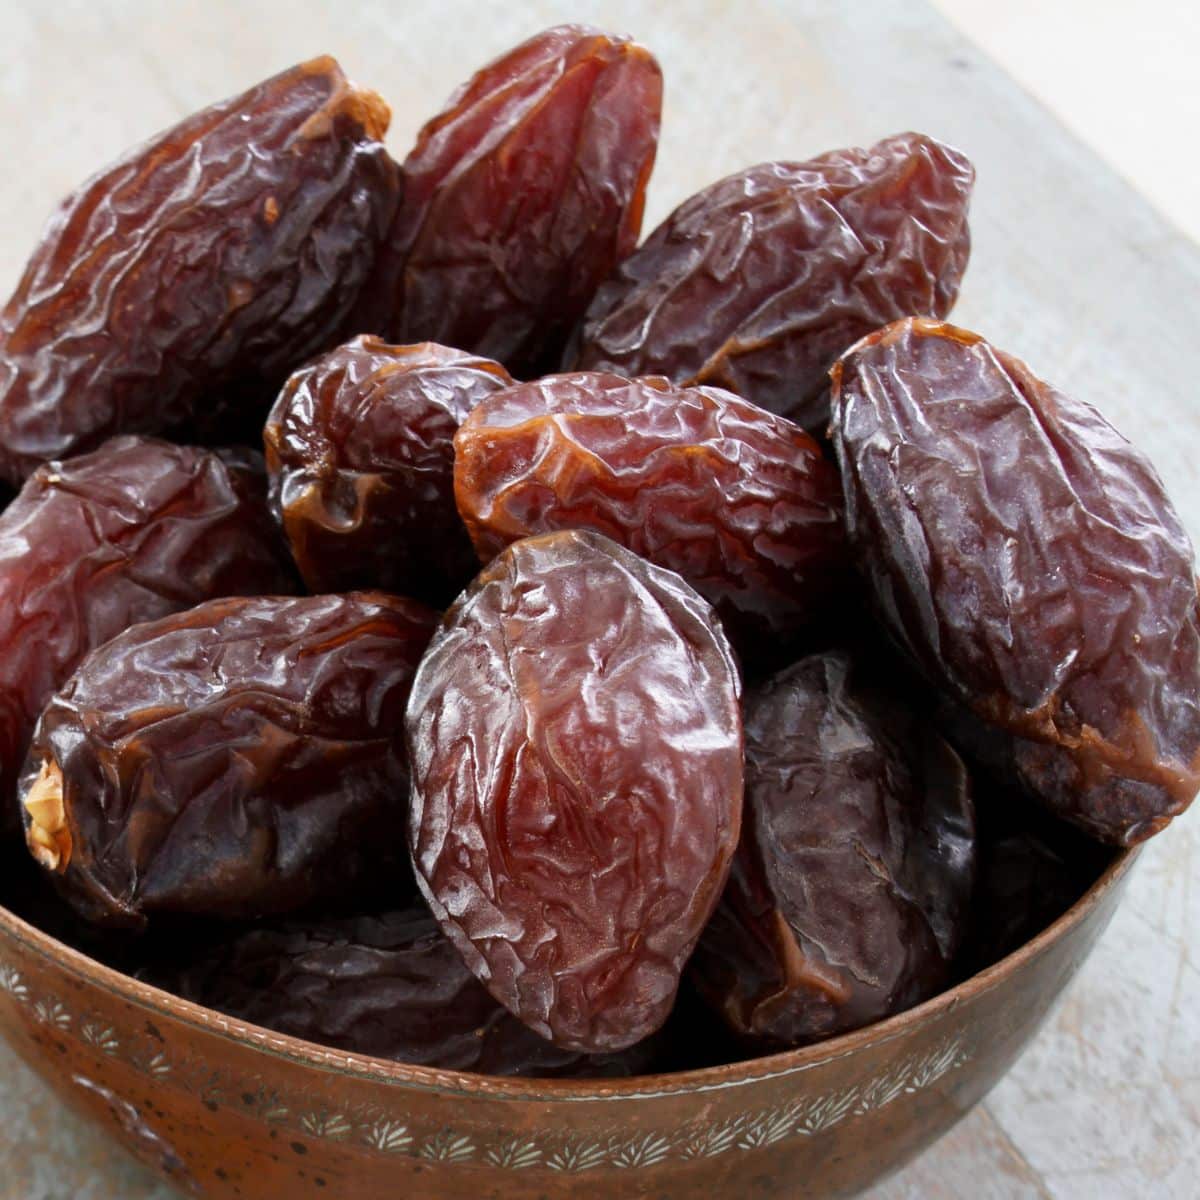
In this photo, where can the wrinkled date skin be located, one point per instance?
(133, 531)
(212, 258)
(1029, 561)
(738, 501)
(850, 891)
(576, 752)
(240, 759)
(360, 446)
(759, 282)
(521, 197)
(391, 986)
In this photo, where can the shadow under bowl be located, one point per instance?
(226, 1109)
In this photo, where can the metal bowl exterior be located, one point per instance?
(228, 1110)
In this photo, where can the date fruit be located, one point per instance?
(576, 752)
(360, 446)
(1028, 560)
(521, 197)
(738, 501)
(850, 890)
(133, 531)
(760, 281)
(210, 259)
(388, 985)
(240, 759)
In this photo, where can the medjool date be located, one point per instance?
(521, 196)
(211, 259)
(133, 531)
(760, 281)
(576, 752)
(243, 758)
(1028, 560)
(849, 893)
(360, 445)
(389, 985)
(738, 501)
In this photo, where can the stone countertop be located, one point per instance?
(1071, 270)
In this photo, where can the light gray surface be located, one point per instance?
(1071, 270)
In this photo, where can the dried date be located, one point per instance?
(133, 531)
(521, 197)
(389, 985)
(242, 758)
(849, 893)
(576, 753)
(1028, 560)
(738, 501)
(206, 262)
(760, 281)
(360, 446)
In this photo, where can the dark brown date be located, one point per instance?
(1028, 560)
(576, 752)
(849, 894)
(360, 446)
(212, 258)
(243, 758)
(738, 501)
(521, 197)
(391, 986)
(133, 531)
(759, 282)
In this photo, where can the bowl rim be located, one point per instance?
(414, 1077)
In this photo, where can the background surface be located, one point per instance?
(1123, 77)
(1072, 270)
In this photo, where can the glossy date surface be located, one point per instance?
(1027, 558)
(576, 752)
(243, 758)
(198, 269)
(132, 531)
(360, 446)
(738, 501)
(521, 197)
(758, 282)
(390, 985)
(850, 891)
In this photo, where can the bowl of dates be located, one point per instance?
(499, 705)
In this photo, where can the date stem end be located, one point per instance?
(47, 835)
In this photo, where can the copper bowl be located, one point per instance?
(226, 1109)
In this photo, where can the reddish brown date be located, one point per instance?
(360, 447)
(576, 752)
(133, 531)
(759, 282)
(1029, 561)
(391, 986)
(738, 501)
(850, 890)
(209, 260)
(521, 197)
(242, 758)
